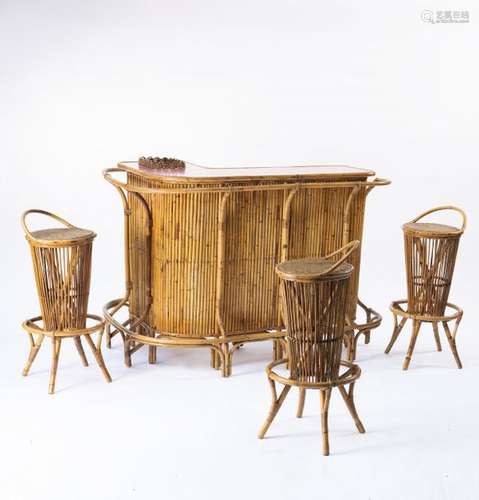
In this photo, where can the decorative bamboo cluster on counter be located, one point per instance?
(163, 163)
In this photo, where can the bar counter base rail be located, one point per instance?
(222, 348)
(355, 329)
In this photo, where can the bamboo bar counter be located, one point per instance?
(201, 246)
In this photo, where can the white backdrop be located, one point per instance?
(86, 84)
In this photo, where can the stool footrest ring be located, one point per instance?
(31, 326)
(352, 373)
(396, 308)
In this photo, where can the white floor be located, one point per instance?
(178, 430)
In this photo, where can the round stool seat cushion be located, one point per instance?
(312, 269)
(428, 229)
(74, 234)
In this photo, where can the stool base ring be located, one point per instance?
(349, 378)
(30, 326)
(353, 372)
(37, 334)
(456, 316)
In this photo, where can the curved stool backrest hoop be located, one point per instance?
(347, 250)
(445, 207)
(323, 272)
(42, 212)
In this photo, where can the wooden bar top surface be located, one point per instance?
(201, 174)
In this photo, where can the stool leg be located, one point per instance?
(396, 332)
(217, 358)
(367, 336)
(367, 333)
(415, 332)
(353, 346)
(348, 341)
(275, 406)
(34, 348)
(152, 355)
(436, 336)
(98, 356)
(452, 342)
(325, 397)
(302, 395)
(349, 344)
(56, 345)
(277, 350)
(80, 350)
(151, 348)
(349, 400)
(108, 336)
(126, 351)
(227, 357)
(213, 359)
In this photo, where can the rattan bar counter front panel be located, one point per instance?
(204, 242)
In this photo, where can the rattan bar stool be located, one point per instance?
(62, 266)
(314, 300)
(431, 251)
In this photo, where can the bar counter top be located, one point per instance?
(197, 173)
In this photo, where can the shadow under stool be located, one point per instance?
(62, 267)
(314, 296)
(430, 251)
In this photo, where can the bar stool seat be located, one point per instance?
(73, 234)
(308, 269)
(431, 229)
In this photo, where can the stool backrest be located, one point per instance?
(314, 302)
